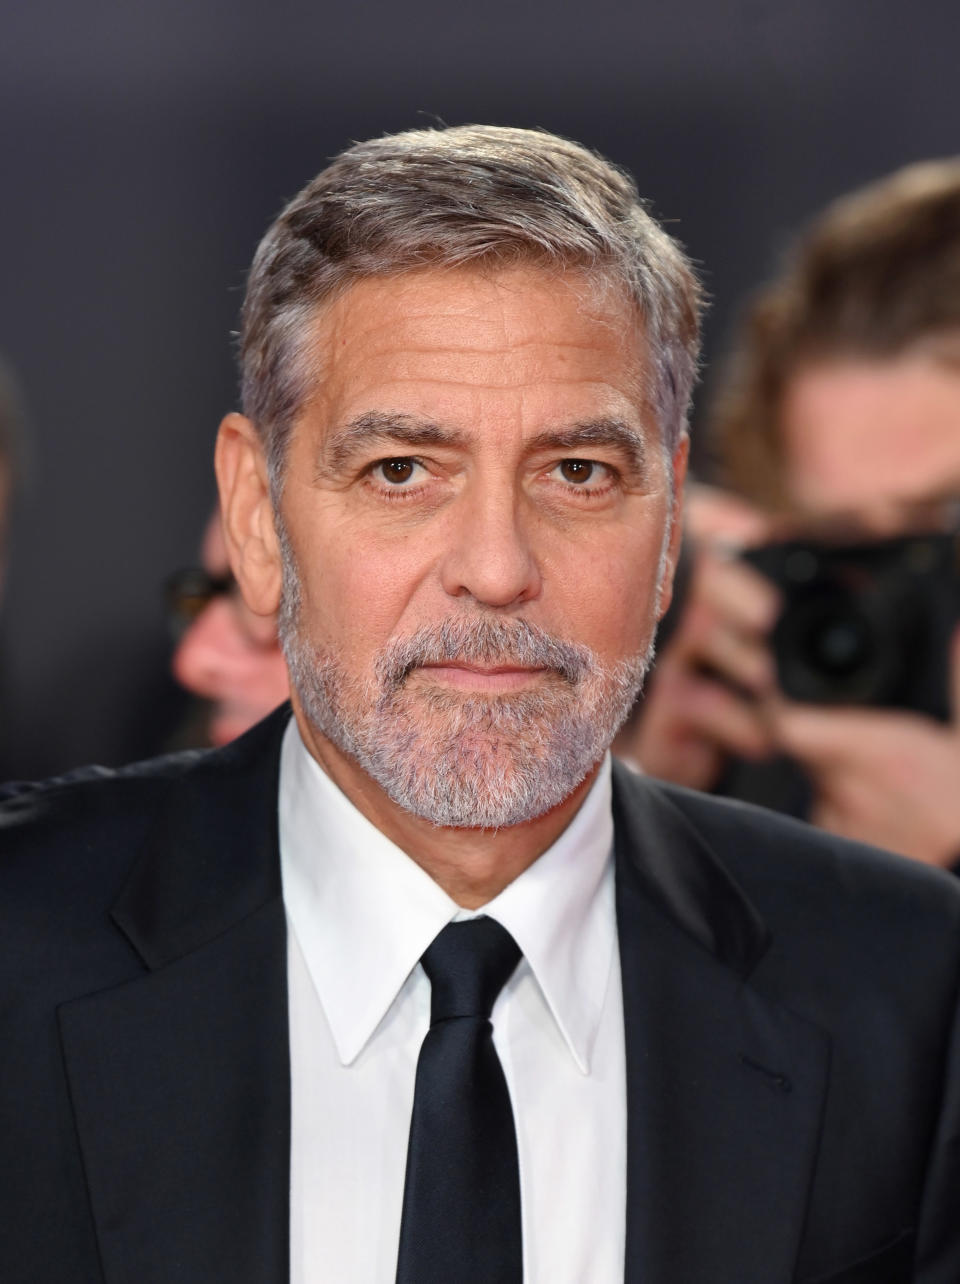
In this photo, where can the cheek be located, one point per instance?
(607, 595)
(356, 600)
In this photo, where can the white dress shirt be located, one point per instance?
(360, 914)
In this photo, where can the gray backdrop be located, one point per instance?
(144, 149)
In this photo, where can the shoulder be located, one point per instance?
(760, 845)
(819, 895)
(67, 844)
(169, 842)
(67, 847)
(96, 819)
(34, 813)
(106, 805)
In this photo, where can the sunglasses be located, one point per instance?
(187, 593)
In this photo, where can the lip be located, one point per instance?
(477, 677)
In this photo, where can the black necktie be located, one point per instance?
(461, 1200)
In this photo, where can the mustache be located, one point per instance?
(480, 640)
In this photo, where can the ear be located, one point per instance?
(247, 514)
(675, 537)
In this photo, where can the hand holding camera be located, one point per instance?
(844, 657)
(705, 700)
(885, 777)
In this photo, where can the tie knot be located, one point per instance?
(468, 965)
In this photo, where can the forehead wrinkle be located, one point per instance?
(464, 346)
(385, 425)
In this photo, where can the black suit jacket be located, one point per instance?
(789, 1000)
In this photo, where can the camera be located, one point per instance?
(866, 623)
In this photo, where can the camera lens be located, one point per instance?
(838, 645)
(866, 623)
(827, 649)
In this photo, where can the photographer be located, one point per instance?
(837, 421)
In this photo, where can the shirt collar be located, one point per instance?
(364, 912)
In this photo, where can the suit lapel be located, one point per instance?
(180, 1079)
(724, 1086)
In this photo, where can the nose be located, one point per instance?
(222, 661)
(217, 659)
(213, 658)
(489, 554)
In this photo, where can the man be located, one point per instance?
(250, 1037)
(226, 655)
(838, 418)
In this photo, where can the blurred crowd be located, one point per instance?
(814, 662)
(811, 659)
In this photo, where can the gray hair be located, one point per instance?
(449, 198)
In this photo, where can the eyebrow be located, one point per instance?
(411, 431)
(379, 425)
(617, 433)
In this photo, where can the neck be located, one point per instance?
(471, 865)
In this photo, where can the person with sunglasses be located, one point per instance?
(225, 655)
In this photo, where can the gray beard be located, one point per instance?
(463, 759)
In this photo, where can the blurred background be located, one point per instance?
(145, 148)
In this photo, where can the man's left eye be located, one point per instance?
(579, 471)
(397, 471)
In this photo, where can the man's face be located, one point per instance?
(873, 446)
(476, 506)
